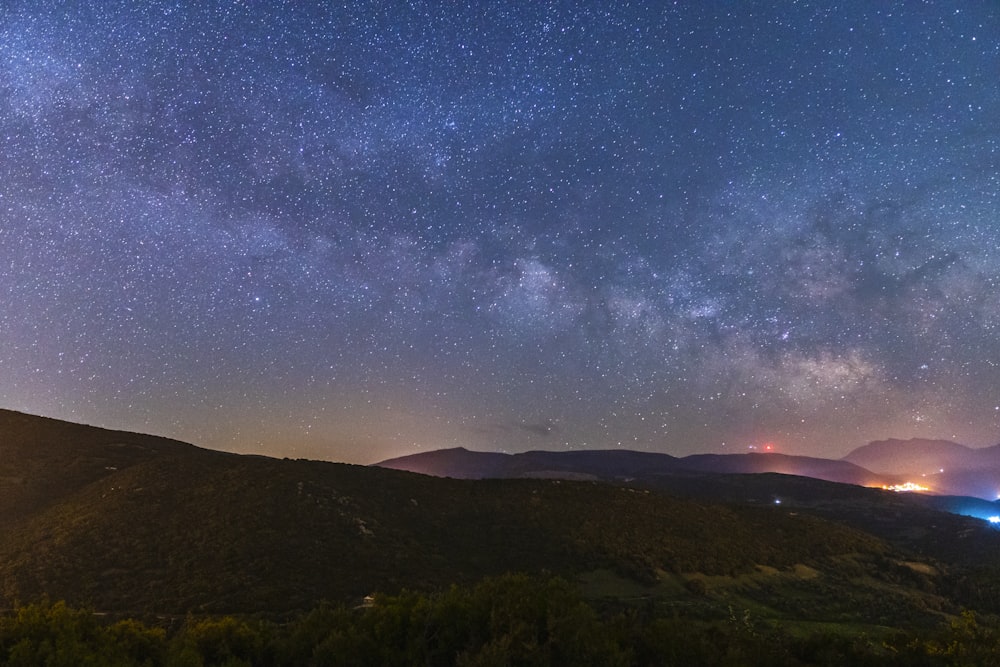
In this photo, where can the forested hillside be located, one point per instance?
(218, 557)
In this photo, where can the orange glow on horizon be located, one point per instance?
(906, 487)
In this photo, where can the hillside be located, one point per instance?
(140, 525)
(219, 532)
(835, 490)
(45, 460)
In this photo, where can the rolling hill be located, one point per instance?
(43, 461)
(223, 533)
(836, 490)
(130, 522)
(133, 524)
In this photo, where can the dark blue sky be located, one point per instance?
(354, 233)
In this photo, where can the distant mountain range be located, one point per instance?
(945, 468)
(461, 463)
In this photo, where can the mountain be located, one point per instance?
(913, 457)
(460, 463)
(843, 472)
(943, 466)
(624, 464)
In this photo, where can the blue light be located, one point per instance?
(993, 519)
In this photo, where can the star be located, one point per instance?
(333, 232)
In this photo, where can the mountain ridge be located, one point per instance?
(919, 455)
(944, 467)
(614, 463)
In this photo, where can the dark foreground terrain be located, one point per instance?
(165, 553)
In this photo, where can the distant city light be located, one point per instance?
(777, 501)
(905, 487)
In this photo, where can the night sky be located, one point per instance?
(355, 232)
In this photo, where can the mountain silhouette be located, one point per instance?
(461, 463)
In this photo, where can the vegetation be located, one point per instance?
(166, 554)
(218, 533)
(507, 620)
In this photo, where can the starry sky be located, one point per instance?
(351, 231)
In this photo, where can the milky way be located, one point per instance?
(357, 232)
